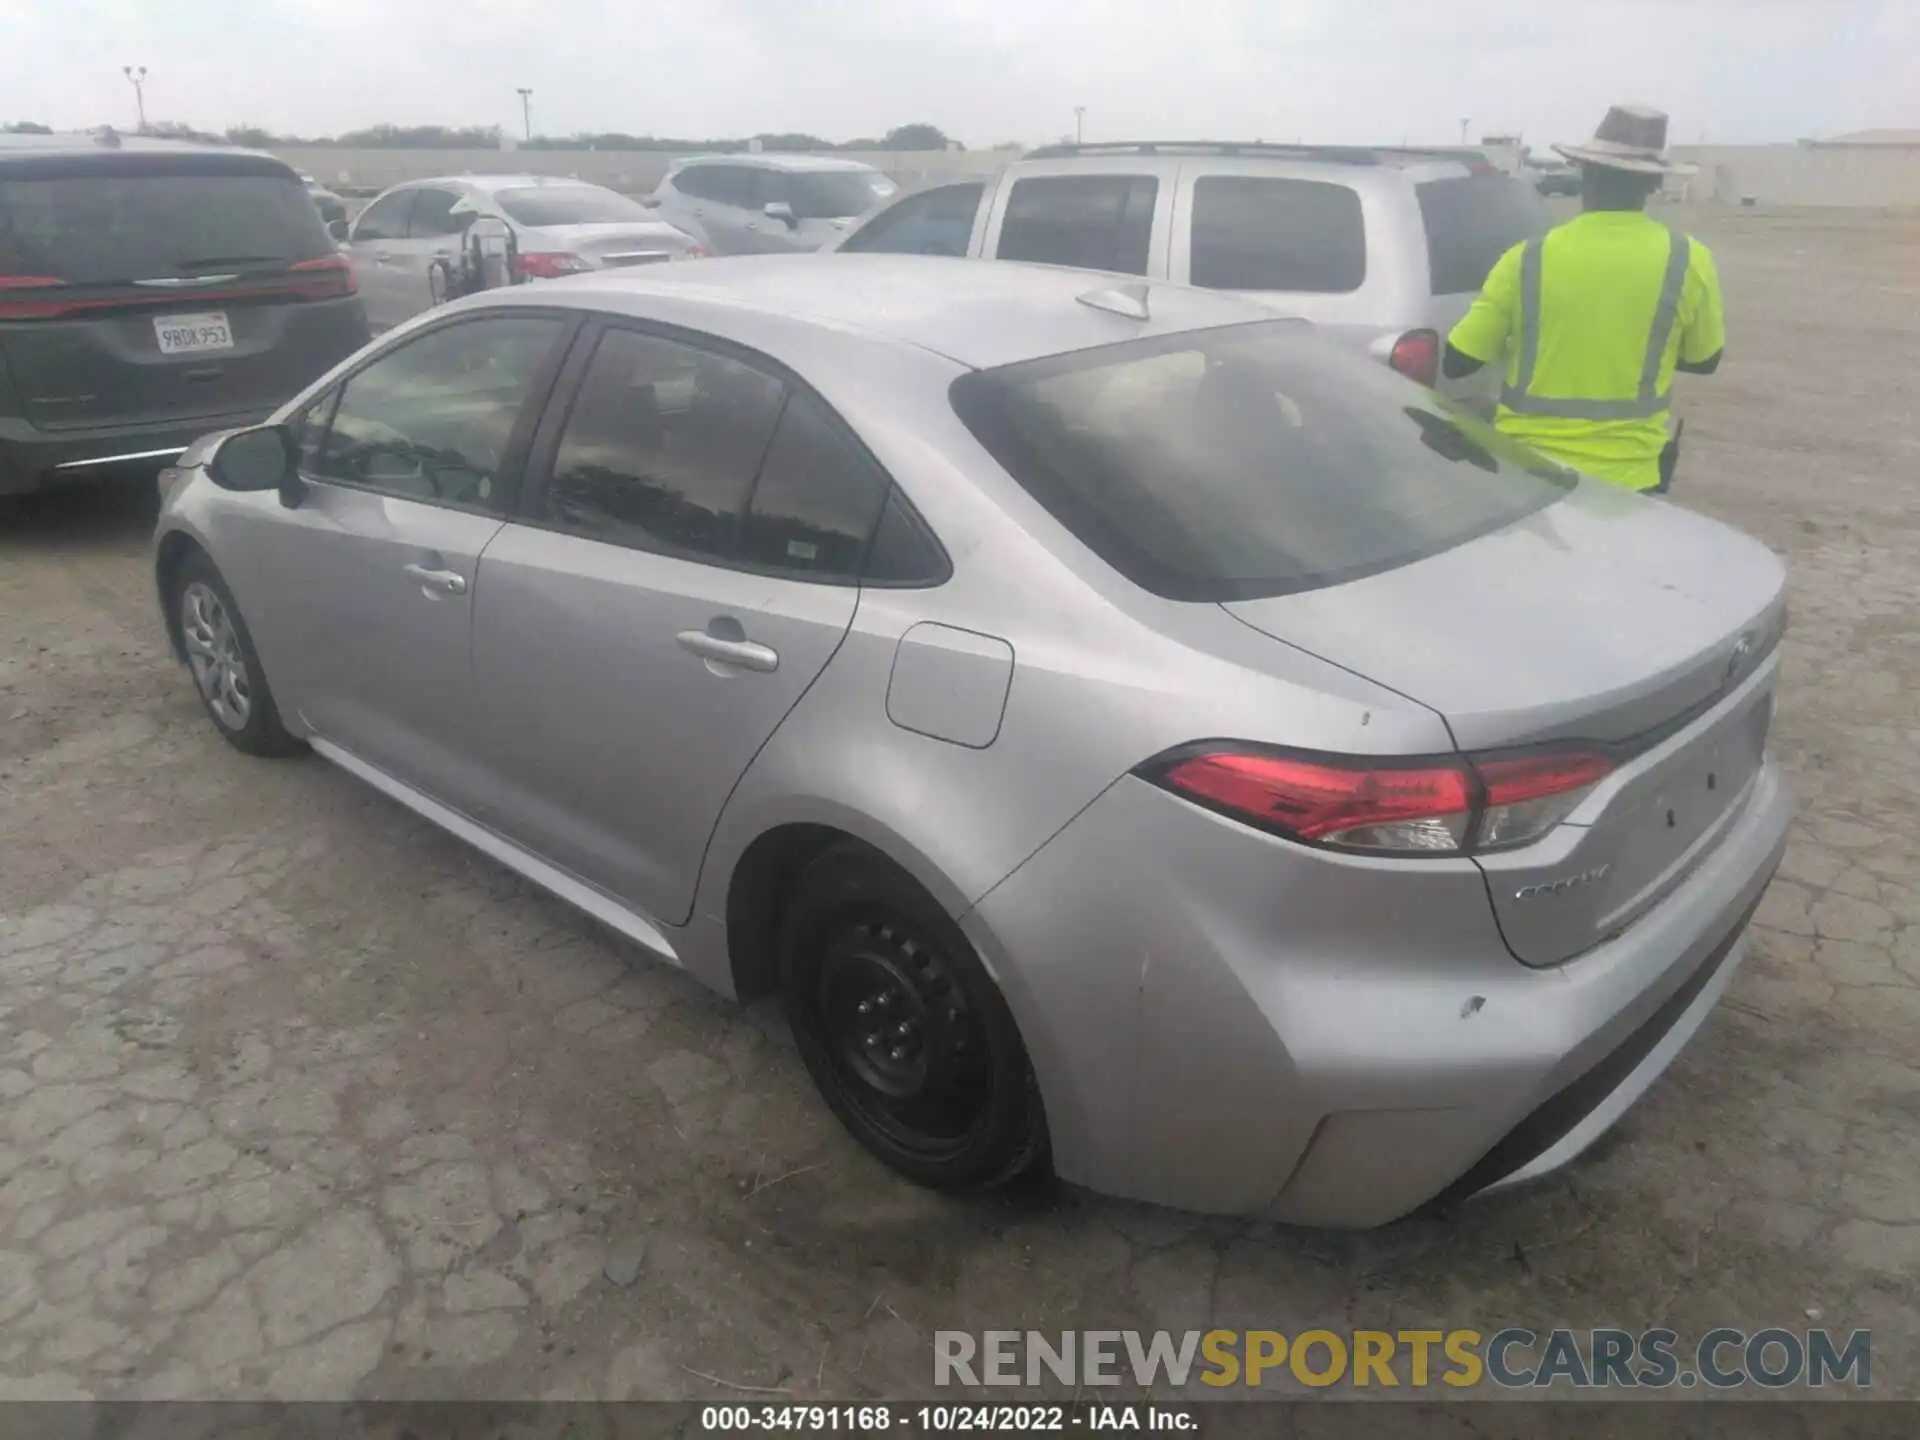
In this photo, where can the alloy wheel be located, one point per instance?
(213, 651)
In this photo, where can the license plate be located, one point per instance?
(193, 334)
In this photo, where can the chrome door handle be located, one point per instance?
(747, 654)
(447, 582)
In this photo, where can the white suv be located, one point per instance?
(756, 204)
(1384, 248)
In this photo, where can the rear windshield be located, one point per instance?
(103, 229)
(836, 194)
(1471, 221)
(569, 205)
(1251, 460)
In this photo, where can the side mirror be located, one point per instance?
(780, 210)
(337, 229)
(264, 458)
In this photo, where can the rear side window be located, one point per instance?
(817, 500)
(934, 222)
(1247, 461)
(1306, 236)
(1471, 221)
(1095, 222)
(433, 215)
(662, 446)
(111, 228)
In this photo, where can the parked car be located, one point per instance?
(151, 291)
(1382, 248)
(560, 226)
(759, 204)
(1171, 745)
(332, 208)
(1556, 179)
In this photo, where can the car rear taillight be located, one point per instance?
(1437, 807)
(330, 277)
(1416, 355)
(693, 252)
(547, 264)
(14, 306)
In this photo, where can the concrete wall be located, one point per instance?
(1863, 176)
(634, 172)
(1871, 176)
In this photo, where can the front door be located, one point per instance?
(684, 572)
(373, 578)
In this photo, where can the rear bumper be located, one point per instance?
(31, 459)
(1233, 1024)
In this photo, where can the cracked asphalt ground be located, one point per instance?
(300, 1098)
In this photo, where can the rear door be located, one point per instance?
(143, 287)
(685, 566)
(1298, 242)
(433, 236)
(370, 246)
(363, 595)
(1111, 214)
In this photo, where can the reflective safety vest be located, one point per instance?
(1592, 319)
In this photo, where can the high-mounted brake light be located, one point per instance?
(1438, 807)
(1416, 355)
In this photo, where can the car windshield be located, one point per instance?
(568, 205)
(1250, 460)
(103, 229)
(834, 194)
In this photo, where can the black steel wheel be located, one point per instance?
(905, 1034)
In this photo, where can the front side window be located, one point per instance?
(831, 194)
(386, 218)
(1249, 233)
(433, 215)
(1094, 222)
(433, 419)
(1248, 461)
(662, 446)
(933, 222)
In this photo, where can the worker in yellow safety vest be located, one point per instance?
(1593, 318)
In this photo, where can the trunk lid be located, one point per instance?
(1605, 618)
(618, 243)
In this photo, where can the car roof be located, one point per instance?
(979, 314)
(1438, 160)
(493, 184)
(777, 161)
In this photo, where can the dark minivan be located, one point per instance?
(152, 291)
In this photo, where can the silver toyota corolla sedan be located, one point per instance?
(1135, 735)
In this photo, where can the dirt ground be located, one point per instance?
(302, 1098)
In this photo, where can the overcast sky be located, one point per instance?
(986, 71)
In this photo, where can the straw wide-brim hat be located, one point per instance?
(1632, 137)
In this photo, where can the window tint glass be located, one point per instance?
(386, 218)
(662, 446)
(729, 184)
(692, 180)
(569, 205)
(831, 195)
(1471, 221)
(1247, 461)
(432, 419)
(433, 215)
(902, 552)
(94, 230)
(817, 499)
(934, 222)
(310, 431)
(1097, 222)
(1254, 234)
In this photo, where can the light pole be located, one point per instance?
(526, 110)
(137, 77)
(1079, 115)
(1463, 129)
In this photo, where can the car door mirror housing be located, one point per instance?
(780, 210)
(258, 459)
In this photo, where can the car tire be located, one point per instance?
(907, 1037)
(225, 667)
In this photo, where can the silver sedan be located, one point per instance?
(1135, 736)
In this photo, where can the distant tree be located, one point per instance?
(177, 130)
(791, 143)
(258, 137)
(423, 137)
(25, 127)
(915, 137)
